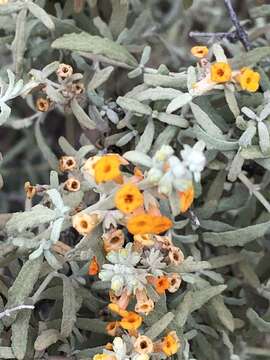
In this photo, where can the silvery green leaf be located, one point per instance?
(37, 253)
(155, 330)
(247, 136)
(38, 214)
(134, 106)
(100, 77)
(112, 116)
(231, 101)
(191, 77)
(249, 113)
(205, 122)
(45, 149)
(103, 28)
(238, 237)
(52, 260)
(265, 112)
(5, 351)
(126, 138)
(251, 58)
(41, 14)
(9, 8)
(19, 43)
(165, 137)
(54, 95)
(20, 329)
(69, 308)
(158, 93)
(24, 283)
(57, 200)
(146, 139)
(219, 53)
(50, 69)
(187, 4)
(222, 312)
(170, 119)
(95, 45)
(213, 142)
(259, 11)
(46, 338)
(177, 81)
(56, 230)
(139, 158)
(5, 111)
(145, 55)
(66, 147)
(236, 167)
(253, 152)
(264, 140)
(178, 102)
(201, 297)
(183, 309)
(119, 16)
(256, 320)
(81, 115)
(54, 180)
(135, 73)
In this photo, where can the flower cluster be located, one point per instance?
(212, 75)
(140, 347)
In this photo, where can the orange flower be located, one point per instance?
(170, 344)
(148, 224)
(117, 310)
(221, 72)
(186, 199)
(131, 321)
(128, 198)
(107, 168)
(162, 283)
(199, 51)
(249, 79)
(94, 267)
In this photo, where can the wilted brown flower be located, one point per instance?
(64, 71)
(143, 345)
(30, 190)
(85, 223)
(113, 240)
(72, 184)
(67, 163)
(176, 257)
(42, 104)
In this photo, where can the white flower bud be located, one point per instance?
(163, 153)
(117, 283)
(154, 175)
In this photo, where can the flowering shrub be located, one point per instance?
(134, 180)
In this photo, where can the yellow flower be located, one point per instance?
(170, 344)
(186, 199)
(85, 223)
(148, 224)
(221, 72)
(104, 357)
(128, 198)
(107, 168)
(199, 51)
(249, 79)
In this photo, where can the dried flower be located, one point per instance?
(221, 72)
(113, 240)
(128, 198)
(42, 104)
(67, 163)
(170, 344)
(93, 268)
(85, 223)
(72, 185)
(249, 79)
(107, 168)
(30, 190)
(143, 345)
(112, 328)
(146, 240)
(144, 304)
(175, 282)
(186, 198)
(199, 51)
(77, 88)
(64, 71)
(176, 256)
(148, 224)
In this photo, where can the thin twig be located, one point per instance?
(8, 312)
(231, 35)
(242, 35)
